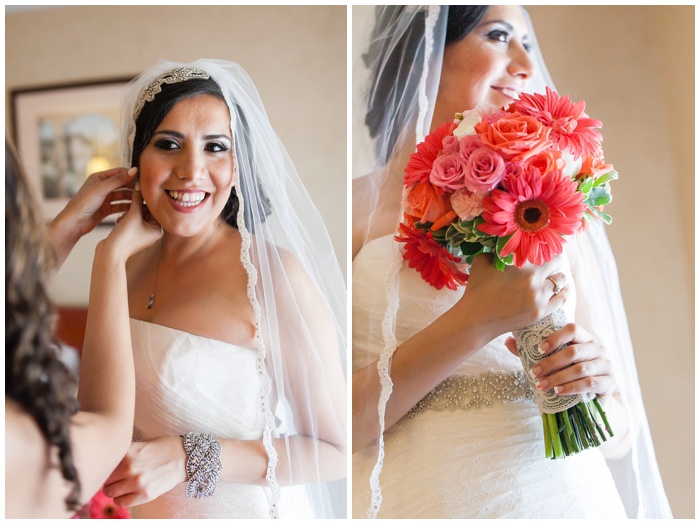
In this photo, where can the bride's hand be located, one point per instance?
(513, 298)
(581, 367)
(135, 230)
(148, 470)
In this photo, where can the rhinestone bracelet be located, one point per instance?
(203, 464)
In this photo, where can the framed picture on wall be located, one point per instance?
(64, 133)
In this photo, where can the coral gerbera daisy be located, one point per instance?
(436, 265)
(572, 128)
(537, 211)
(421, 162)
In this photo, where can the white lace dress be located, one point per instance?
(186, 382)
(485, 461)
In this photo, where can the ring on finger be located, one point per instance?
(557, 288)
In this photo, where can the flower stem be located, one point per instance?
(556, 440)
(548, 453)
(598, 406)
(570, 432)
(590, 426)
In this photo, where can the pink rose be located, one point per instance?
(448, 172)
(450, 144)
(514, 136)
(466, 204)
(484, 170)
(468, 145)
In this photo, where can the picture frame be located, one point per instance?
(63, 133)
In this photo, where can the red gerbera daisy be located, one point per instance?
(103, 507)
(437, 266)
(421, 162)
(537, 211)
(572, 128)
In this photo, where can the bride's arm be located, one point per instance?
(494, 303)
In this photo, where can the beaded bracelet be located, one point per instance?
(203, 464)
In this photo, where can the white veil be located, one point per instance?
(396, 87)
(295, 287)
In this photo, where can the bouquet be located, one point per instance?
(516, 182)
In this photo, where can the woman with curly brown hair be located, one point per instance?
(58, 454)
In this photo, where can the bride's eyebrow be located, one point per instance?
(177, 134)
(217, 137)
(507, 25)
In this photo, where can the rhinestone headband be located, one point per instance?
(175, 76)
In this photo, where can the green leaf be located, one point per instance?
(599, 196)
(501, 243)
(498, 262)
(471, 248)
(603, 216)
(586, 186)
(612, 175)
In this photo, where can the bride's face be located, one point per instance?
(186, 170)
(491, 64)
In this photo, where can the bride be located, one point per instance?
(413, 457)
(236, 314)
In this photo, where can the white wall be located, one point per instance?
(295, 55)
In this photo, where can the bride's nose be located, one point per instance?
(191, 166)
(521, 64)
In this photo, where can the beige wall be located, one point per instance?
(295, 55)
(634, 66)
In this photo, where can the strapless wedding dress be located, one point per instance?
(186, 382)
(484, 459)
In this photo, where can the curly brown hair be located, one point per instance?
(35, 377)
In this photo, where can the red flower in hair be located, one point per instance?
(572, 129)
(421, 162)
(435, 264)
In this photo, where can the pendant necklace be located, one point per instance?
(152, 298)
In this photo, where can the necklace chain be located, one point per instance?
(152, 299)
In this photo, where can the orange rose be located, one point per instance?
(594, 165)
(514, 136)
(547, 161)
(427, 204)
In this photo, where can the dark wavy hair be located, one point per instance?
(153, 114)
(35, 377)
(395, 71)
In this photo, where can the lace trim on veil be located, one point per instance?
(270, 476)
(392, 292)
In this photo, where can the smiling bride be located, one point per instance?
(236, 313)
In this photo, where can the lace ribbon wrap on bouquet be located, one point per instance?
(571, 423)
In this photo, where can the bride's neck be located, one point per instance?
(177, 249)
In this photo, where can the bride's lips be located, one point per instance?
(186, 200)
(509, 92)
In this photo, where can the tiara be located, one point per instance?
(174, 76)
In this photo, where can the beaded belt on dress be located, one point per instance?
(475, 391)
